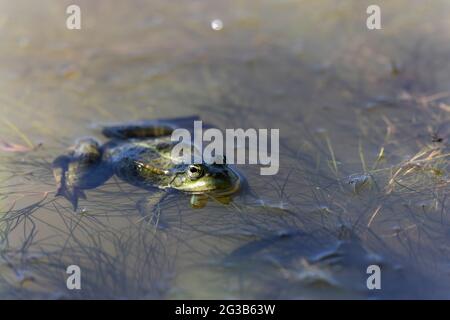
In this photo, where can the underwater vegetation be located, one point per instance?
(311, 232)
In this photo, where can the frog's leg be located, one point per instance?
(64, 187)
(199, 201)
(148, 128)
(79, 170)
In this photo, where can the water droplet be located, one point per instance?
(217, 24)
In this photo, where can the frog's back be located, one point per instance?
(128, 158)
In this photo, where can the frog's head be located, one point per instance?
(212, 179)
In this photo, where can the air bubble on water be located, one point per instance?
(217, 24)
(324, 208)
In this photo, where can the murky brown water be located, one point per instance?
(364, 125)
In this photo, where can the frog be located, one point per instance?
(139, 153)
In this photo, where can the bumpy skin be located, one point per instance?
(138, 155)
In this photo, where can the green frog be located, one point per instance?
(139, 153)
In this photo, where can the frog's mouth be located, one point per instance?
(219, 192)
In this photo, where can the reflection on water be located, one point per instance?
(364, 124)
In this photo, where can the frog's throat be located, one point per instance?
(221, 192)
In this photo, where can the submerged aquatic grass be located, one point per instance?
(314, 204)
(20, 133)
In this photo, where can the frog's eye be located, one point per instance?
(195, 171)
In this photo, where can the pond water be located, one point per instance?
(364, 131)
